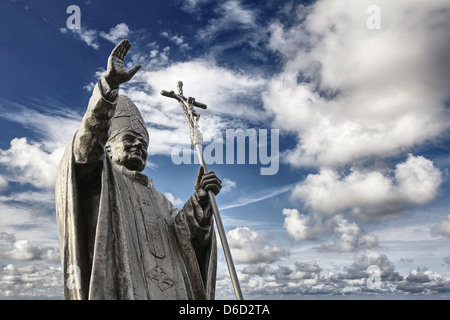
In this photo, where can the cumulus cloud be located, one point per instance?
(422, 280)
(116, 33)
(370, 193)
(28, 162)
(304, 273)
(329, 198)
(23, 250)
(250, 246)
(308, 278)
(33, 162)
(352, 98)
(348, 236)
(349, 92)
(442, 229)
(305, 278)
(297, 225)
(36, 281)
(227, 185)
(358, 269)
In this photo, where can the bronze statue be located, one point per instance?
(121, 238)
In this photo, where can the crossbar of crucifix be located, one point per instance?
(192, 118)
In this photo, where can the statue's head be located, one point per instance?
(128, 141)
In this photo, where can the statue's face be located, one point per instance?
(129, 150)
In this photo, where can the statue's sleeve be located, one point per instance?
(89, 143)
(197, 221)
(195, 233)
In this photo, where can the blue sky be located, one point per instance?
(359, 97)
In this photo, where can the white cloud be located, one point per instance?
(177, 39)
(297, 225)
(418, 179)
(249, 246)
(34, 162)
(227, 185)
(424, 280)
(348, 92)
(442, 229)
(358, 269)
(47, 126)
(370, 194)
(30, 163)
(305, 278)
(348, 236)
(88, 36)
(116, 33)
(23, 250)
(31, 282)
(152, 60)
(352, 97)
(233, 15)
(329, 198)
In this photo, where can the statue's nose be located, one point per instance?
(137, 142)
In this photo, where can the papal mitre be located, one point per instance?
(127, 118)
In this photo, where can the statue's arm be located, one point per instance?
(93, 133)
(90, 140)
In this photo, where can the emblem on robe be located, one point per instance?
(162, 280)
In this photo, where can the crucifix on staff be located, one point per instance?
(192, 118)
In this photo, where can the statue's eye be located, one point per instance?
(144, 144)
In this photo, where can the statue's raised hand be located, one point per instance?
(116, 73)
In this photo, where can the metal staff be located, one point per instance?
(192, 117)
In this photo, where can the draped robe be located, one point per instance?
(120, 238)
